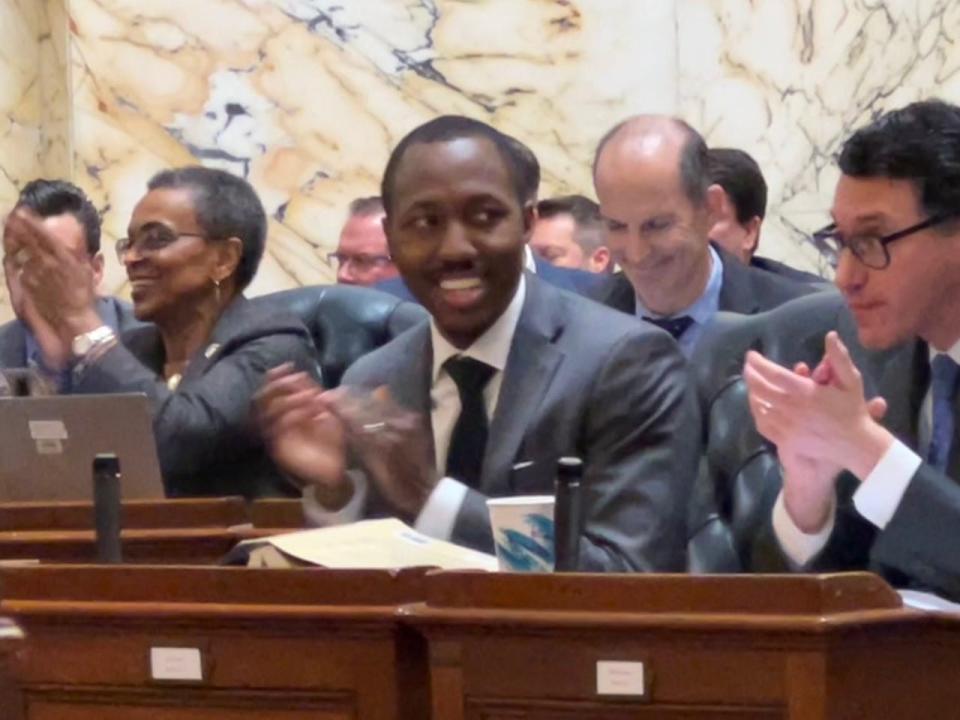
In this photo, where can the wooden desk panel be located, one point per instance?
(526, 647)
(138, 514)
(275, 644)
(191, 546)
(10, 643)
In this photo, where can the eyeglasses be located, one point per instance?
(151, 239)
(869, 249)
(361, 263)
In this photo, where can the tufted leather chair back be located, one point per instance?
(739, 475)
(346, 321)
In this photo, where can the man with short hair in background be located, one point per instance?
(69, 216)
(362, 256)
(568, 233)
(742, 208)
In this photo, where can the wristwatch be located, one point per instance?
(85, 342)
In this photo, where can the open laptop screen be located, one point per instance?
(47, 446)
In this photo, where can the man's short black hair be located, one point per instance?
(226, 206)
(49, 198)
(920, 143)
(741, 179)
(693, 159)
(455, 127)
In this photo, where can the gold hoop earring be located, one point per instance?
(216, 290)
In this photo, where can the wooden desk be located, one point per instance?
(277, 513)
(787, 647)
(285, 644)
(181, 531)
(10, 642)
(140, 514)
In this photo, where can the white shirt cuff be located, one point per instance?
(798, 546)
(880, 493)
(439, 513)
(316, 514)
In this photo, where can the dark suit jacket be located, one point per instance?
(920, 547)
(580, 282)
(778, 268)
(13, 335)
(207, 441)
(580, 380)
(745, 290)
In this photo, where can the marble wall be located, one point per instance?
(306, 97)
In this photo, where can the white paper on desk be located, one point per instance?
(9, 631)
(378, 544)
(927, 601)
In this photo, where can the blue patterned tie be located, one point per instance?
(943, 387)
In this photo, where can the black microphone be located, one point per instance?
(106, 507)
(567, 515)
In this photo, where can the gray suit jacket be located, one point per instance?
(580, 380)
(207, 441)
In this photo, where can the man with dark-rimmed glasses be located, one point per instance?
(871, 454)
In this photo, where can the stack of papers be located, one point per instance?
(927, 601)
(375, 544)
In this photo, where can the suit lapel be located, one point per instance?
(410, 384)
(737, 293)
(903, 381)
(531, 364)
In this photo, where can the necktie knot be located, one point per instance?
(470, 375)
(676, 326)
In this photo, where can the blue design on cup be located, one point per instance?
(531, 551)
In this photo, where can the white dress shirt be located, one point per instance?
(439, 513)
(878, 496)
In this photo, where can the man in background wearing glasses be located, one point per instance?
(868, 438)
(28, 341)
(362, 257)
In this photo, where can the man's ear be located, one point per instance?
(529, 214)
(599, 260)
(719, 205)
(96, 262)
(229, 252)
(752, 238)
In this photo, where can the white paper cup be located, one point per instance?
(523, 532)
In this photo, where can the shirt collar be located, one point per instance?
(953, 352)
(704, 307)
(529, 261)
(492, 347)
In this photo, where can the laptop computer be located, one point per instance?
(48, 444)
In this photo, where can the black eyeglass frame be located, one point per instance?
(821, 236)
(125, 244)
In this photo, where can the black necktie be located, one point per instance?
(469, 438)
(676, 326)
(945, 375)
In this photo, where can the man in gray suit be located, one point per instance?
(508, 376)
(868, 435)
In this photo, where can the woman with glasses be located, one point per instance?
(193, 244)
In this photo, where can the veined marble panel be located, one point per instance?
(788, 81)
(21, 117)
(306, 97)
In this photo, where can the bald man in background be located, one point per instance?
(658, 205)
